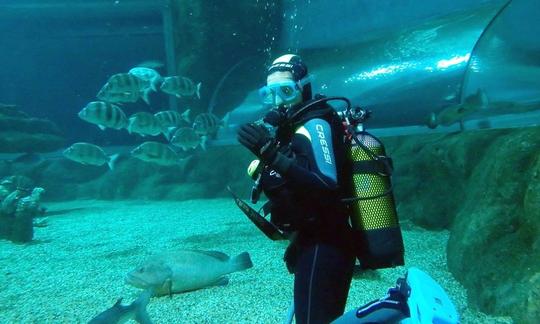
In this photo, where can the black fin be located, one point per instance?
(268, 228)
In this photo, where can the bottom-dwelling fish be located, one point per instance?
(186, 270)
(120, 313)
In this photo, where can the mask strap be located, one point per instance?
(305, 80)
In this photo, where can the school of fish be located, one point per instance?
(178, 128)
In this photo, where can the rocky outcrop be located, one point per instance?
(20, 133)
(484, 187)
(205, 174)
(19, 204)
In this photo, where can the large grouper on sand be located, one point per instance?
(186, 270)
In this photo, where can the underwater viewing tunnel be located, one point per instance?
(471, 62)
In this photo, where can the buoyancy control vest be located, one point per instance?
(291, 209)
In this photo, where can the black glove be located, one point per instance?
(258, 140)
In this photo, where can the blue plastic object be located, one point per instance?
(428, 302)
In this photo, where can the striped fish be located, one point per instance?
(186, 138)
(124, 87)
(89, 154)
(144, 123)
(157, 153)
(151, 76)
(171, 118)
(181, 87)
(104, 114)
(208, 124)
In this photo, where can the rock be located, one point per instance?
(11, 111)
(29, 205)
(9, 204)
(205, 175)
(6, 224)
(36, 194)
(18, 208)
(431, 174)
(29, 125)
(532, 313)
(20, 142)
(4, 192)
(484, 186)
(11, 183)
(493, 248)
(22, 230)
(20, 133)
(63, 177)
(44, 222)
(23, 224)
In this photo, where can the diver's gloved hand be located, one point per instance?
(276, 116)
(258, 140)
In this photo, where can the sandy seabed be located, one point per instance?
(75, 268)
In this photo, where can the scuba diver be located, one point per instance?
(329, 192)
(298, 169)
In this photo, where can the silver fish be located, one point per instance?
(144, 123)
(171, 118)
(186, 138)
(186, 270)
(151, 76)
(119, 313)
(124, 87)
(457, 113)
(104, 114)
(89, 154)
(181, 87)
(157, 153)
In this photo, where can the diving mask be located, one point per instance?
(283, 92)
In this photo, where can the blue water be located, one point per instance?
(55, 58)
(52, 67)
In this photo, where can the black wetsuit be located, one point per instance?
(305, 199)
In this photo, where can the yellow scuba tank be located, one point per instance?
(377, 234)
